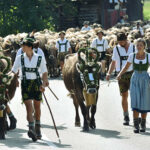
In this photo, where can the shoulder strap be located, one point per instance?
(103, 44)
(96, 43)
(22, 51)
(66, 45)
(39, 61)
(133, 57)
(133, 48)
(119, 57)
(59, 46)
(118, 50)
(36, 50)
(37, 72)
(23, 68)
(147, 58)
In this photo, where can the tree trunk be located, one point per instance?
(135, 10)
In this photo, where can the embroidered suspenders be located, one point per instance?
(100, 45)
(123, 57)
(60, 44)
(31, 70)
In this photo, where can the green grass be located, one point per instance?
(146, 10)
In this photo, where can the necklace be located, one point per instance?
(140, 56)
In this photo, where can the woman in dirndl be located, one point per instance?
(139, 85)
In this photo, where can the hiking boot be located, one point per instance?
(32, 134)
(13, 123)
(38, 131)
(143, 125)
(126, 121)
(136, 125)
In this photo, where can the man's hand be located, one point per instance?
(42, 88)
(45, 83)
(108, 77)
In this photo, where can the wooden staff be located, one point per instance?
(51, 116)
(53, 93)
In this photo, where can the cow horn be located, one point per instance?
(7, 68)
(81, 50)
(97, 54)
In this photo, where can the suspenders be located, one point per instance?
(100, 45)
(22, 51)
(36, 50)
(60, 44)
(123, 57)
(33, 70)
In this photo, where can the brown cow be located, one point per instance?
(83, 83)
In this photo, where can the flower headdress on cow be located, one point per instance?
(4, 78)
(88, 66)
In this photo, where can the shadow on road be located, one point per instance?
(15, 139)
(60, 145)
(106, 133)
(52, 127)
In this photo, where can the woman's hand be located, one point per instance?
(108, 77)
(118, 77)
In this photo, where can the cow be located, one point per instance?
(81, 78)
(52, 62)
(8, 83)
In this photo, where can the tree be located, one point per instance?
(25, 15)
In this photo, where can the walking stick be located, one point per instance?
(53, 93)
(52, 117)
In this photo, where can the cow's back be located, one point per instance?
(70, 74)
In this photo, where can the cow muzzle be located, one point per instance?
(91, 90)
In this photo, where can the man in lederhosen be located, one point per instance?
(101, 45)
(63, 48)
(32, 85)
(119, 59)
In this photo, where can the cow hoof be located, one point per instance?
(77, 124)
(92, 124)
(85, 128)
(2, 137)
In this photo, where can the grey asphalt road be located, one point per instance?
(110, 134)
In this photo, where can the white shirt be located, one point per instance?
(62, 47)
(137, 61)
(122, 52)
(116, 1)
(29, 64)
(86, 29)
(140, 29)
(100, 48)
(39, 52)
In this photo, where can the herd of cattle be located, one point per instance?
(47, 39)
(78, 39)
